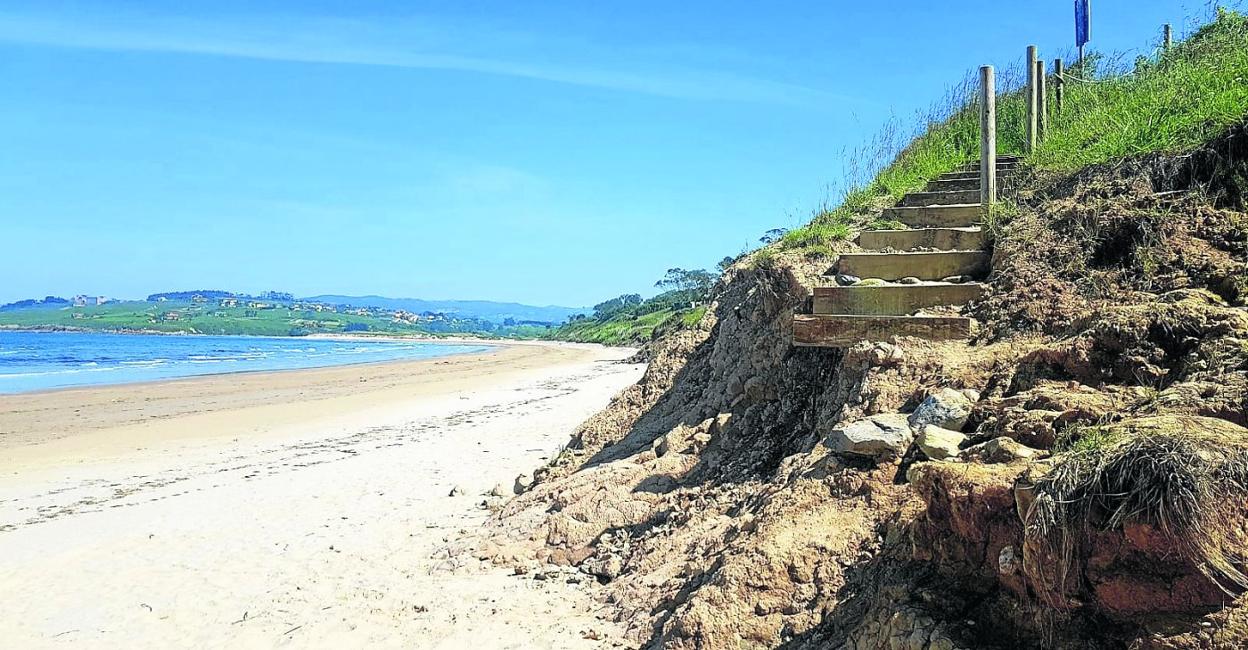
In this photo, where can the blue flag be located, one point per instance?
(1083, 23)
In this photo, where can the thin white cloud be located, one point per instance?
(414, 44)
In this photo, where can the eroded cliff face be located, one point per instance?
(709, 502)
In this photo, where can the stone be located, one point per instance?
(938, 443)
(999, 450)
(847, 280)
(945, 408)
(522, 484)
(1008, 561)
(909, 279)
(886, 354)
(757, 389)
(970, 394)
(870, 282)
(883, 435)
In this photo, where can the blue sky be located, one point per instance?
(548, 153)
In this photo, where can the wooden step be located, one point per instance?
(955, 185)
(945, 239)
(893, 299)
(973, 168)
(924, 266)
(972, 176)
(937, 216)
(921, 199)
(835, 331)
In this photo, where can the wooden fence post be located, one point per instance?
(1042, 103)
(1167, 36)
(1030, 126)
(1059, 83)
(987, 138)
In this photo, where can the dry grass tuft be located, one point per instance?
(1179, 475)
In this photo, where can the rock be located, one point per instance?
(938, 443)
(970, 394)
(456, 491)
(759, 390)
(606, 567)
(945, 408)
(522, 484)
(498, 490)
(909, 280)
(999, 450)
(1008, 561)
(886, 354)
(887, 434)
(870, 282)
(847, 280)
(956, 279)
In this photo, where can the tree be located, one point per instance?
(725, 263)
(609, 308)
(772, 236)
(697, 283)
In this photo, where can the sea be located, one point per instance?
(32, 361)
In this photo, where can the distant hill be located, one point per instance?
(36, 303)
(483, 309)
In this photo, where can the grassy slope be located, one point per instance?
(1170, 102)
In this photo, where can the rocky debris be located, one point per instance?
(522, 484)
(946, 408)
(999, 450)
(939, 444)
(847, 280)
(759, 389)
(886, 354)
(878, 436)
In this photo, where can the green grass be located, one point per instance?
(624, 329)
(1171, 102)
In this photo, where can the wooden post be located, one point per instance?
(1031, 124)
(1059, 83)
(1167, 37)
(1042, 103)
(987, 138)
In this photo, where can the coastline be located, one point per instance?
(304, 507)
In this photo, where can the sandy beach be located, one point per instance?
(304, 509)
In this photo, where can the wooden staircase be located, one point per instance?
(936, 263)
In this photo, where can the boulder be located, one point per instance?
(938, 443)
(945, 408)
(887, 434)
(847, 280)
(999, 450)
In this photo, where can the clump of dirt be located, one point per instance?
(709, 503)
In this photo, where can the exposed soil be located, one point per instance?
(707, 500)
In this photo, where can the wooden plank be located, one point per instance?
(893, 300)
(939, 216)
(945, 239)
(843, 331)
(923, 199)
(925, 266)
